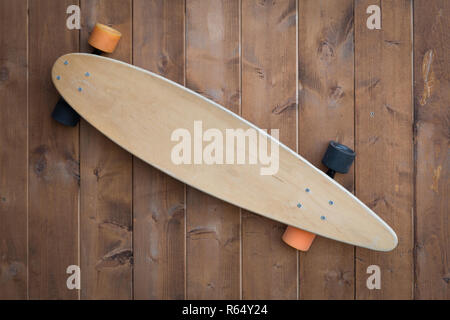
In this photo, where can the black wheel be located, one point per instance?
(338, 158)
(64, 114)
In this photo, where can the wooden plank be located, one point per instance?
(269, 267)
(384, 113)
(106, 180)
(432, 98)
(158, 200)
(13, 149)
(53, 159)
(212, 226)
(326, 101)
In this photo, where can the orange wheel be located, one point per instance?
(298, 239)
(104, 38)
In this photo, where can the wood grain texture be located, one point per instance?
(53, 159)
(269, 266)
(326, 101)
(106, 180)
(213, 226)
(384, 120)
(432, 122)
(383, 141)
(158, 199)
(13, 149)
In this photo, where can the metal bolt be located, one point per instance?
(307, 190)
(372, 114)
(299, 205)
(330, 202)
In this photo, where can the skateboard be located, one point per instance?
(103, 39)
(337, 158)
(147, 114)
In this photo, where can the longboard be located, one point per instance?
(140, 111)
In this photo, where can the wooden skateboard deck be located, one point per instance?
(140, 110)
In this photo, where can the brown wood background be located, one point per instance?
(69, 196)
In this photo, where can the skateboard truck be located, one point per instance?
(103, 39)
(337, 158)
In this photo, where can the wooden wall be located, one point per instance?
(69, 196)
